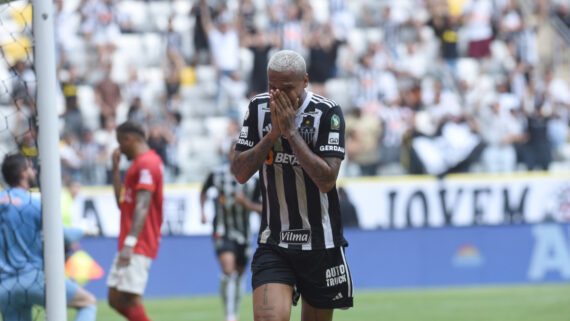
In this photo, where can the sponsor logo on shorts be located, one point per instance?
(338, 297)
(296, 236)
(336, 275)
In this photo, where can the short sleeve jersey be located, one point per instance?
(145, 173)
(296, 214)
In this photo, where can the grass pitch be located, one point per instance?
(501, 303)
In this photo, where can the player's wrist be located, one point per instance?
(290, 133)
(130, 241)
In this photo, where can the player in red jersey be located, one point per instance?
(140, 201)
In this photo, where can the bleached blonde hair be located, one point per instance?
(288, 60)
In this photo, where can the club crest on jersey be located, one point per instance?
(335, 122)
(296, 236)
(307, 129)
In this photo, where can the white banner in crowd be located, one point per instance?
(398, 202)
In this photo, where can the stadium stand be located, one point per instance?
(431, 71)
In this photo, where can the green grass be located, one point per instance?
(505, 303)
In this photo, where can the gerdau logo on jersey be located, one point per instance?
(296, 236)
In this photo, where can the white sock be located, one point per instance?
(240, 289)
(228, 290)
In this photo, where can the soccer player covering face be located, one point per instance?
(295, 139)
(21, 250)
(140, 202)
(231, 232)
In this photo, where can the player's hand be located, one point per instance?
(116, 157)
(240, 198)
(275, 130)
(204, 219)
(286, 108)
(125, 256)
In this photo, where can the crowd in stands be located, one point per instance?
(426, 86)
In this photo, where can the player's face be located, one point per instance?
(290, 83)
(126, 142)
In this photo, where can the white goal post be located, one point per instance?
(48, 147)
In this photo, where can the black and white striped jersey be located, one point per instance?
(231, 220)
(296, 215)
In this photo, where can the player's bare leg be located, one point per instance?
(310, 313)
(273, 302)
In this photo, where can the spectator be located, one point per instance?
(323, 49)
(499, 130)
(259, 43)
(200, 37)
(107, 96)
(137, 113)
(70, 157)
(477, 15)
(92, 159)
(539, 147)
(72, 117)
(363, 141)
(224, 41)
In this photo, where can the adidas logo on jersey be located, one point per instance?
(266, 129)
(338, 297)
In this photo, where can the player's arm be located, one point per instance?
(323, 171)
(116, 157)
(246, 163)
(247, 160)
(204, 195)
(142, 206)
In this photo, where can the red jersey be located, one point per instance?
(145, 173)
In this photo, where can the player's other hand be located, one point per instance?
(286, 107)
(204, 219)
(275, 130)
(125, 256)
(116, 157)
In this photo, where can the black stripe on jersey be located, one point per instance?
(314, 213)
(264, 201)
(335, 215)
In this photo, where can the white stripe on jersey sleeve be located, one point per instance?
(326, 221)
(260, 96)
